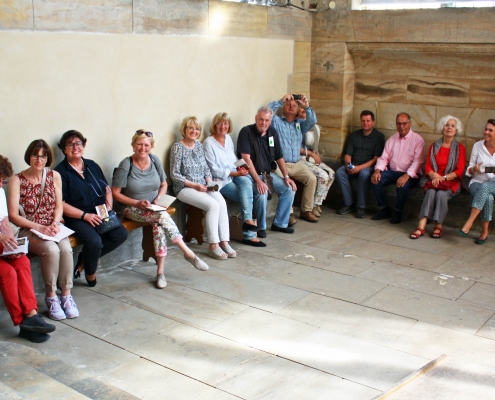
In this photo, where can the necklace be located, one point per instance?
(81, 172)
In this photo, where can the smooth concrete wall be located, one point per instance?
(109, 85)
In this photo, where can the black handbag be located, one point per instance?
(109, 223)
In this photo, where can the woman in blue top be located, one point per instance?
(140, 181)
(84, 187)
(236, 185)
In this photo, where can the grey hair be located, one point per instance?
(403, 113)
(443, 121)
(265, 109)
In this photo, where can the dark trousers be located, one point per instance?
(388, 178)
(94, 245)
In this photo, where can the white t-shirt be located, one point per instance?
(3, 205)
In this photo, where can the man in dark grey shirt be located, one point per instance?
(363, 149)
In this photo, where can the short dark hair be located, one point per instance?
(35, 147)
(68, 135)
(367, 112)
(491, 121)
(5, 167)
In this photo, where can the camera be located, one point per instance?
(297, 96)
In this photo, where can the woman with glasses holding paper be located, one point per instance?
(138, 183)
(35, 204)
(84, 192)
(16, 282)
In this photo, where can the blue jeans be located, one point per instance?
(285, 199)
(388, 178)
(241, 190)
(94, 245)
(343, 178)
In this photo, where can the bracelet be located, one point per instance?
(286, 177)
(83, 214)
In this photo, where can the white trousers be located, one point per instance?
(217, 219)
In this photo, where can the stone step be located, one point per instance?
(27, 374)
(7, 393)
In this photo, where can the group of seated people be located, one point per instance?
(273, 151)
(399, 160)
(72, 194)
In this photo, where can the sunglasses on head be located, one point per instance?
(149, 134)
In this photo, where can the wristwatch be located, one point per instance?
(286, 176)
(445, 177)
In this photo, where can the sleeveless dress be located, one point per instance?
(29, 198)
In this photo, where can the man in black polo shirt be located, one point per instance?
(363, 149)
(261, 139)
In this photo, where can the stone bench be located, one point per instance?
(139, 241)
(459, 206)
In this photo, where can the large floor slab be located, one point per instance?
(244, 289)
(366, 363)
(349, 319)
(261, 330)
(431, 309)
(185, 305)
(399, 255)
(480, 294)
(147, 380)
(418, 280)
(328, 283)
(278, 378)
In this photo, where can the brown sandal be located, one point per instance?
(414, 235)
(437, 233)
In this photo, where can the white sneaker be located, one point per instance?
(160, 281)
(54, 309)
(69, 306)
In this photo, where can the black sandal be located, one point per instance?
(77, 273)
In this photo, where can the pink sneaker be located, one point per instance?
(69, 306)
(54, 310)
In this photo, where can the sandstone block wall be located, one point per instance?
(428, 63)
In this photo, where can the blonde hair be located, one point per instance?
(140, 134)
(221, 116)
(188, 121)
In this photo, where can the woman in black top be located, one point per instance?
(84, 187)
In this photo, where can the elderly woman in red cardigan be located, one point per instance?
(445, 163)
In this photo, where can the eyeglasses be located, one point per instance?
(403, 123)
(149, 134)
(75, 145)
(107, 188)
(38, 157)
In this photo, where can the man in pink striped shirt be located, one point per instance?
(400, 163)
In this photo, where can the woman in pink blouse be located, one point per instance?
(445, 164)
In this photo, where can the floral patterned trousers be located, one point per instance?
(324, 179)
(162, 224)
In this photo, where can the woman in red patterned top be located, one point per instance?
(445, 164)
(42, 210)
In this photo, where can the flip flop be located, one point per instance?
(414, 235)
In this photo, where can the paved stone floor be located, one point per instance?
(341, 309)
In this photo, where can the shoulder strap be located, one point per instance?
(131, 163)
